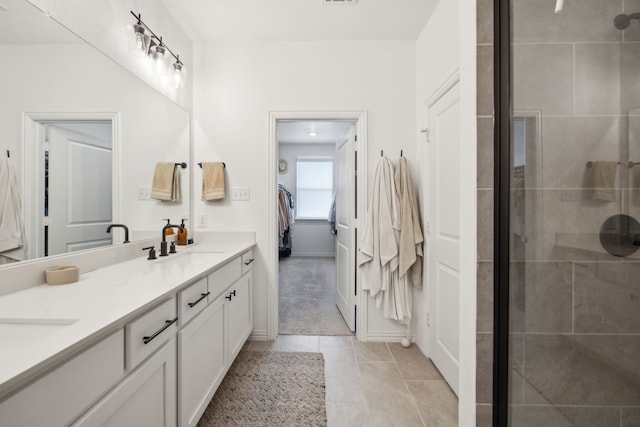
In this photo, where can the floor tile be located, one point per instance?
(342, 377)
(336, 341)
(437, 404)
(414, 365)
(347, 414)
(388, 399)
(372, 352)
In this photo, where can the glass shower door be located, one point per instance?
(574, 329)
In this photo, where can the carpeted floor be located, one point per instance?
(270, 389)
(307, 297)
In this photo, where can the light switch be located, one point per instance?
(144, 193)
(240, 193)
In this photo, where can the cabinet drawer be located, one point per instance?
(148, 332)
(192, 301)
(65, 392)
(223, 277)
(247, 261)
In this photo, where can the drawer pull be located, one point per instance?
(233, 293)
(229, 297)
(202, 296)
(167, 323)
(249, 262)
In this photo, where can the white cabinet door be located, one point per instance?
(201, 362)
(147, 397)
(239, 319)
(68, 390)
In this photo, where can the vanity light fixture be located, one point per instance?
(143, 42)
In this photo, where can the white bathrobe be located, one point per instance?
(11, 220)
(379, 255)
(411, 238)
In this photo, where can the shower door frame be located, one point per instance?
(502, 170)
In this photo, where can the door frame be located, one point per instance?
(33, 169)
(360, 119)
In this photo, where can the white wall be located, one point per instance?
(447, 45)
(240, 83)
(103, 24)
(309, 237)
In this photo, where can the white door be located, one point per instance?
(79, 191)
(345, 214)
(443, 205)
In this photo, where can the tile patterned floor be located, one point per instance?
(375, 384)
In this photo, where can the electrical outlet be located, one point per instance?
(201, 220)
(570, 195)
(240, 193)
(144, 193)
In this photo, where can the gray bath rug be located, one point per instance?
(270, 389)
(307, 297)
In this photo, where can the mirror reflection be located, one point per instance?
(80, 138)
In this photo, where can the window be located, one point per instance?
(314, 188)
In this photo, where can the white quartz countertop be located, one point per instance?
(42, 325)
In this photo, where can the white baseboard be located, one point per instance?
(259, 335)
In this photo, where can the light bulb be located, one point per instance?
(179, 74)
(158, 59)
(138, 41)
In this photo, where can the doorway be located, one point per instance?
(71, 192)
(312, 242)
(312, 168)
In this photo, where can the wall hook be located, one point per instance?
(400, 153)
(381, 153)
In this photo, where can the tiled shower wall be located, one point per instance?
(575, 341)
(484, 325)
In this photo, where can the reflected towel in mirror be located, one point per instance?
(11, 220)
(604, 180)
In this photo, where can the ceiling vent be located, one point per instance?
(339, 1)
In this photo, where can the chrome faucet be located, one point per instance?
(163, 243)
(126, 231)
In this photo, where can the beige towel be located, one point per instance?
(212, 181)
(410, 244)
(166, 182)
(11, 220)
(604, 180)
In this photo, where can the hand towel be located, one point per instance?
(11, 220)
(604, 180)
(212, 181)
(166, 182)
(634, 183)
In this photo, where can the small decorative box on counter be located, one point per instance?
(63, 275)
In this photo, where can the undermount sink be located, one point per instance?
(18, 332)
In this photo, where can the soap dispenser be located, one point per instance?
(182, 234)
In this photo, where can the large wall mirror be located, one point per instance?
(84, 136)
